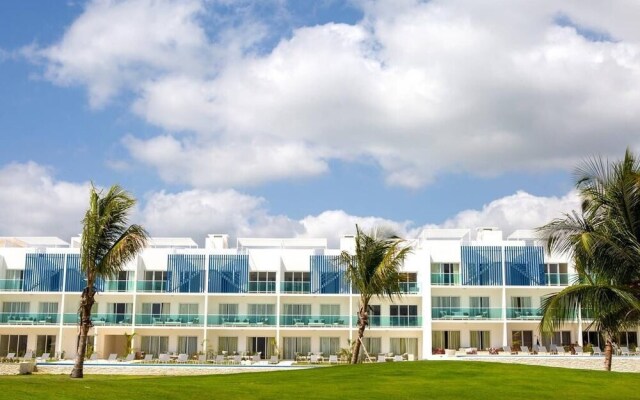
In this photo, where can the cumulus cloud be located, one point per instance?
(421, 88)
(34, 203)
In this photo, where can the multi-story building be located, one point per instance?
(285, 295)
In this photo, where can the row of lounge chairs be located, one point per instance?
(28, 356)
(560, 350)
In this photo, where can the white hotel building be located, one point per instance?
(459, 291)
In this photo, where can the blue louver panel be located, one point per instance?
(75, 279)
(328, 275)
(185, 273)
(481, 265)
(525, 266)
(228, 273)
(43, 272)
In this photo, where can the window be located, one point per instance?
(228, 310)
(445, 274)
(154, 312)
(403, 315)
(264, 345)
(479, 307)
(520, 307)
(45, 344)
(228, 344)
(15, 307)
(329, 345)
(522, 338)
(562, 337)
(262, 282)
(48, 312)
(557, 274)
(627, 339)
(295, 314)
(14, 280)
(443, 307)
(480, 339)
(188, 310)
(445, 340)
(13, 344)
(294, 346)
(155, 281)
(121, 312)
(297, 282)
(330, 312)
(374, 315)
(594, 338)
(409, 282)
(188, 345)
(373, 346)
(154, 345)
(399, 346)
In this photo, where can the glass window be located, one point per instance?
(228, 344)
(480, 339)
(188, 345)
(294, 346)
(329, 346)
(155, 345)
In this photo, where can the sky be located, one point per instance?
(279, 118)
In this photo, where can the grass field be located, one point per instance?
(410, 380)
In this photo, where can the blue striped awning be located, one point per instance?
(328, 275)
(185, 273)
(525, 266)
(481, 265)
(76, 280)
(43, 272)
(228, 273)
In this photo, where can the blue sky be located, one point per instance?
(288, 118)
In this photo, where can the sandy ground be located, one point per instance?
(620, 364)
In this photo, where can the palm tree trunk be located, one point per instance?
(608, 353)
(363, 321)
(86, 302)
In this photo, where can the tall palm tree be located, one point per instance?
(107, 244)
(374, 270)
(604, 240)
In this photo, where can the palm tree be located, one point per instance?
(107, 244)
(374, 270)
(604, 240)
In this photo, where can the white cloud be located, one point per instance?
(518, 211)
(34, 203)
(422, 88)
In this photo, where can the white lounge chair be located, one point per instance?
(398, 358)
(219, 359)
(313, 358)
(202, 359)
(164, 358)
(333, 359)
(595, 351)
(148, 358)
(11, 356)
(44, 356)
(29, 355)
(507, 350)
(542, 350)
(624, 351)
(129, 357)
(94, 356)
(273, 360)
(112, 357)
(382, 358)
(559, 350)
(182, 358)
(525, 350)
(578, 350)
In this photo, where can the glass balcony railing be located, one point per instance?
(152, 286)
(11, 285)
(296, 287)
(409, 287)
(10, 318)
(227, 320)
(314, 321)
(458, 313)
(525, 313)
(262, 287)
(554, 279)
(170, 320)
(441, 279)
(119, 286)
(392, 321)
(99, 319)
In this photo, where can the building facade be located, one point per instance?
(286, 297)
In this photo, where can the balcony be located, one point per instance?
(314, 321)
(184, 320)
(11, 285)
(458, 313)
(298, 287)
(227, 320)
(119, 286)
(8, 318)
(152, 286)
(392, 321)
(409, 288)
(524, 313)
(262, 287)
(99, 319)
(442, 279)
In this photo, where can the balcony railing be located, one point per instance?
(458, 313)
(392, 321)
(296, 287)
(9, 318)
(262, 287)
(227, 320)
(442, 279)
(315, 321)
(170, 320)
(524, 313)
(99, 319)
(152, 286)
(11, 285)
(409, 287)
(119, 286)
(554, 279)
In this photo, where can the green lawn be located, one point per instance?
(409, 380)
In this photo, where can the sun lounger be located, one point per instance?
(382, 358)
(525, 350)
(398, 358)
(508, 350)
(313, 358)
(11, 356)
(624, 351)
(273, 360)
(44, 356)
(542, 350)
(112, 357)
(578, 351)
(595, 351)
(129, 357)
(164, 358)
(219, 359)
(94, 356)
(182, 358)
(333, 359)
(148, 358)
